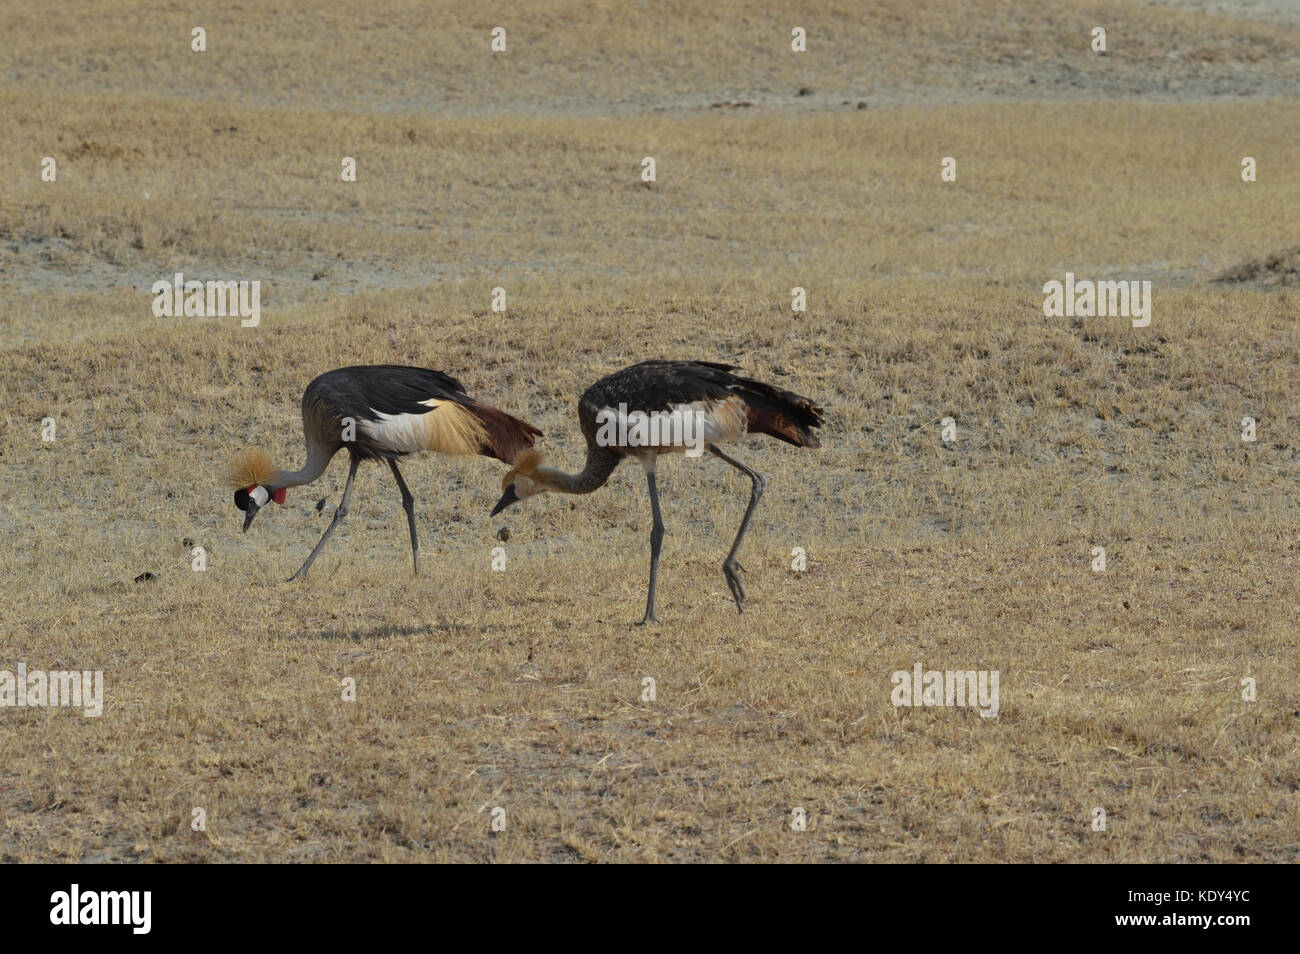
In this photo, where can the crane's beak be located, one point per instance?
(506, 500)
(249, 514)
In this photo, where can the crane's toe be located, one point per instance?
(733, 581)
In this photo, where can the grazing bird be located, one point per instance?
(658, 407)
(380, 412)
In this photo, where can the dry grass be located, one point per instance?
(603, 56)
(523, 689)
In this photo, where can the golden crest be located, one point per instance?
(248, 468)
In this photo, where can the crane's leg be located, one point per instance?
(408, 504)
(656, 544)
(338, 518)
(729, 565)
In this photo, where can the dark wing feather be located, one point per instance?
(658, 385)
(388, 388)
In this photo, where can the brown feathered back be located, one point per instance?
(782, 414)
(507, 437)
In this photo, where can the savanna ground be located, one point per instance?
(522, 689)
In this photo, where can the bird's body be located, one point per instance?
(400, 410)
(659, 407)
(729, 407)
(380, 412)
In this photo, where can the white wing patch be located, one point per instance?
(686, 426)
(451, 430)
(405, 433)
(723, 420)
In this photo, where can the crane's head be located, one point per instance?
(522, 481)
(251, 474)
(252, 499)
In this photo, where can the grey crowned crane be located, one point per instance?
(379, 412)
(658, 407)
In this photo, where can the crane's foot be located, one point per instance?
(649, 618)
(733, 581)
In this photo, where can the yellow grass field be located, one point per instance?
(1162, 690)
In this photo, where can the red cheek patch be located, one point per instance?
(278, 496)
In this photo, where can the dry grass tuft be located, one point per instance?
(1280, 268)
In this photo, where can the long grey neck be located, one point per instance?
(317, 460)
(601, 462)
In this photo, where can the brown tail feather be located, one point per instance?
(782, 414)
(506, 436)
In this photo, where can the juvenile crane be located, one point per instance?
(379, 412)
(658, 407)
